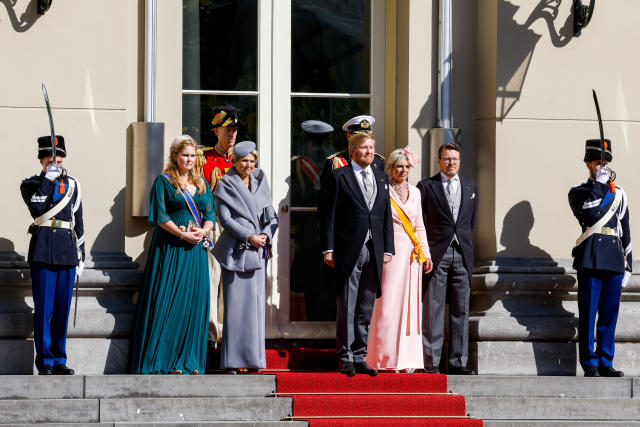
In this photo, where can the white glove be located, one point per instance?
(603, 175)
(53, 172)
(79, 268)
(625, 278)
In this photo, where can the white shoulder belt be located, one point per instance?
(595, 228)
(58, 207)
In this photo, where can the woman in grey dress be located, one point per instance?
(248, 219)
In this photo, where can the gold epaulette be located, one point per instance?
(382, 157)
(333, 155)
(296, 157)
(204, 149)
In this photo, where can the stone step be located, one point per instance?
(534, 386)
(178, 424)
(145, 386)
(177, 410)
(581, 409)
(558, 423)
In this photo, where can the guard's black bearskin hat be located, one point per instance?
(44, 147)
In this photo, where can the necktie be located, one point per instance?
(368, 188)
(452, 187)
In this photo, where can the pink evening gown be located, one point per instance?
(395, 338)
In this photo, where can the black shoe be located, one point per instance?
(431, 370)
(608, 371)
(62, 370)
(363, 368)
(591, 371)
(461, 370)
(47, 370)
(347, 368)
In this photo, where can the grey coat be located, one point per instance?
(239, 211)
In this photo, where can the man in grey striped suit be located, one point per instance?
(449, 205)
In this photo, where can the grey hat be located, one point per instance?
(243, 148)
(316, 127)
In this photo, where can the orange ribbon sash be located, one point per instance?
(411, 232)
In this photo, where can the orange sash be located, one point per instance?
(411, 232)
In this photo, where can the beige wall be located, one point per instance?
(85, 52)
(544, 112)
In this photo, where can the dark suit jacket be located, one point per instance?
(438, 219)
(378, 163)
(345, 218)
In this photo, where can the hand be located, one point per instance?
(328, 259)
(191, 237)
(387, 258)
(258, 240)
(80, 268)
(603, 175)
(53, 172)
(625, 278)
(428, 265)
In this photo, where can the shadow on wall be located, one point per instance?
(111, 237)
(536, 300)
(26, 19)
(516, 43)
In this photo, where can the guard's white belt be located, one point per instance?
(56, 223)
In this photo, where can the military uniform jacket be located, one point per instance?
(601, 251)
(57, 246)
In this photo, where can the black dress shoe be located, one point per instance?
(347, 368)
(591, 371)
(608, 371)
(461, 370)
(62, 370)
(47, 370)
(363, 368)
(431, 370)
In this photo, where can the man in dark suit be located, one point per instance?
(449, 204)
(356, 234)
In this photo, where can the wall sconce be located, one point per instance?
(43, 6)
(581, 15)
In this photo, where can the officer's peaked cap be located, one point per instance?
(316, 127)
(359, 124)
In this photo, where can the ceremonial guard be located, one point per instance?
(357, 125)
(602, 258)
(305, 186)
(56, 253)
(217, 163)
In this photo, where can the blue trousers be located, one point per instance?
(52, 291)
(598, 292)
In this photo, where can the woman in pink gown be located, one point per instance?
(395, 338)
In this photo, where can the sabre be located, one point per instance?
(53, 132)
(612, 174)
(602, 147)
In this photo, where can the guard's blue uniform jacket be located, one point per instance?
(600, 261)
(49, 245)
(54, 253)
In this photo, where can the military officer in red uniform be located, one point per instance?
(217, 163)
(218, 157)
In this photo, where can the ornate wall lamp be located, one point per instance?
(43, 6)
(581, 15)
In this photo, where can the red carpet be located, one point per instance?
(389, 399)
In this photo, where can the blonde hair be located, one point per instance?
(358, 139)
(171, 169)
(393, 159)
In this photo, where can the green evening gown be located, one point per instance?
(173, 309)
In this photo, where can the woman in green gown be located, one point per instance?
(170, 334)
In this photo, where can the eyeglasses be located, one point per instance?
(450, 160)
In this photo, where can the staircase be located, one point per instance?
(143, 400)
(522, 401)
